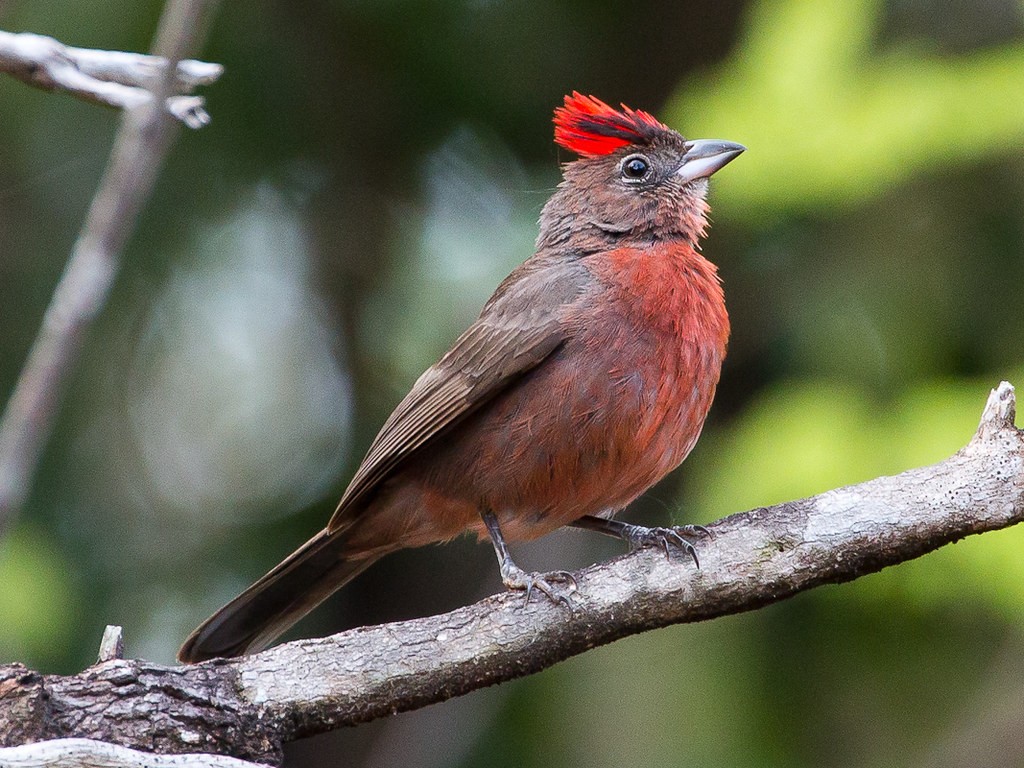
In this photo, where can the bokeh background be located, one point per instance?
(372, 171)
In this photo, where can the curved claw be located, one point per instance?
(516, 578)
(639, 536)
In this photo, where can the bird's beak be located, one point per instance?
(705, 156)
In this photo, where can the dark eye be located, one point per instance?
(635, 168)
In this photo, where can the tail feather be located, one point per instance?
(269, 607)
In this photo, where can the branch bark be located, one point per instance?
(142, 142)
(250, 707)
(111, 78)
(89, 753)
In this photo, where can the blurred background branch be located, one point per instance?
(139, 149)
(249, 707)
(112, 78)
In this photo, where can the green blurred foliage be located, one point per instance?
(372, 171)
(840, 120)
(38, 604)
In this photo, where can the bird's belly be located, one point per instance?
(562, 443)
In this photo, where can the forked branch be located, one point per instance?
(112, 78)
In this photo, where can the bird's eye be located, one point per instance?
(635, 168)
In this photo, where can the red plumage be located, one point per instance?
(589, 127)
(585, 380)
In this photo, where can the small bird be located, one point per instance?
(585, 380)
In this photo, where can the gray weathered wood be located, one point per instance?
(111, 78)
(88, 753)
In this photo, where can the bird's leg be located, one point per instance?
(515, 577)
(641, 536)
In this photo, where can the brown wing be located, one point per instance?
(520, 326)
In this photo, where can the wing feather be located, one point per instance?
(521, 325)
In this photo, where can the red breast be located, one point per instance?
(610, 413)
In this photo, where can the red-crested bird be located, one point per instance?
(585, 380)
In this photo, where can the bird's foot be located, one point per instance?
(515, 577)
(678, 536)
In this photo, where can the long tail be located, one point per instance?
(265, 610)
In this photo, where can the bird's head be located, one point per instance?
(636, 179)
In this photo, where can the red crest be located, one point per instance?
(589, 127)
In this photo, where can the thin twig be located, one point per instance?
(250, 707)
(112, 78)
(111, 644)
(140, 146)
